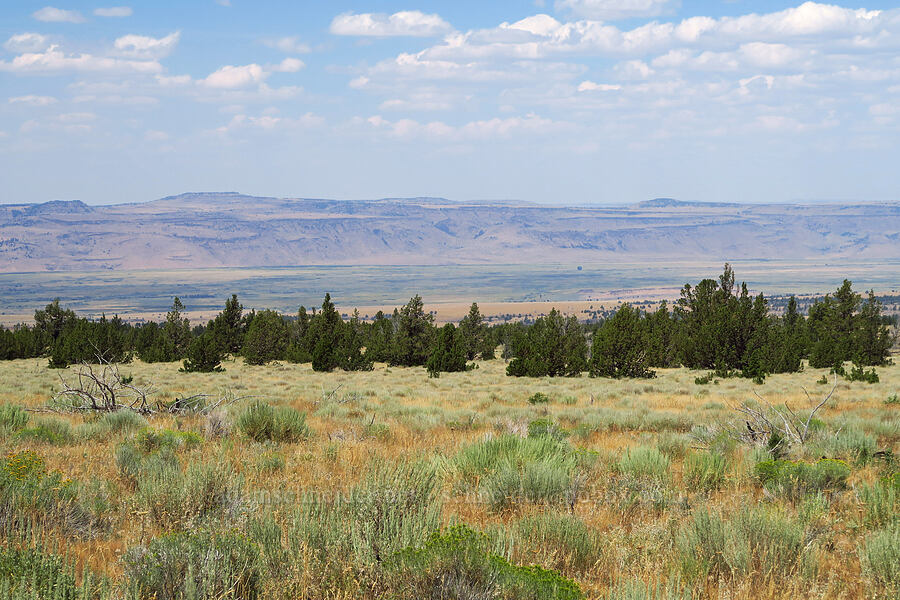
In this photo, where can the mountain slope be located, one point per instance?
(228, 230)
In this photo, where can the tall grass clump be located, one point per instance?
(48, 431)
(510, 469)
(705, 471)
(640, 590)
(29, 573)
(880, 558)
(849, 444)
(458, 563)
(114, 423)
(262, 422)
(198, 566)
(881, 502)
(13, 418)
(758, 542)
(342, 541)
(645, 462)
(560, 541)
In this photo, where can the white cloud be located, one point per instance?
(269, 123)
(114, 11)
(610, 10)
(289, 65)
(141, 46)
(33, 100)
(49, 14)
(27, 42)
(405, 23)
(54, 60)
(482, 130)
(590, 86)
(231, 77)
(288, 45)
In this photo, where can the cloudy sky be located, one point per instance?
(555, 101)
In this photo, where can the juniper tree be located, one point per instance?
(267, 338)
(619, 347)
(449, 352)
(413, 334)
(177, 330)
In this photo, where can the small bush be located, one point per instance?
(151, 440)
(705, 379)
(270, 462)
(561, 542)
(705, 471)
(859, 373)
(756, 542)
(202, 566)
(262, 422)
(459, 564)
(881, 502)
(673, 445)
(640, 590)
(48, 431)
(892, 400)
(538, 398)
(509, 469)
(29, 493)
(645, 461)
(542, 427)
(796, 479)
(121, 421)
(849, 444)
(12, 418)
(28, 573)
(880, 557)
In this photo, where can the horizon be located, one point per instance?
(572, 102)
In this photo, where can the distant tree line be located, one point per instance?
(716, 325)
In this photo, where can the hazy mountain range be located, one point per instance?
(230, 230)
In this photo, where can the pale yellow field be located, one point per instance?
(394, 413)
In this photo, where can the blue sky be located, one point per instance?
(555, 101)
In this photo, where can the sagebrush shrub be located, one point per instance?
(262, 422)
(705, 471)
(645, 461)
(200, 566)
(880, 558)
(794, 479)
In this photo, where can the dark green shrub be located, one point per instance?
(796, 479)
(30, 573)
(706, 379)
(458, 563)
(859, 373)
(201, 566)
(204, 355)
(262, 422)
(538, 398)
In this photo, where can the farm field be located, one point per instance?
(617, 485)
(447, 289)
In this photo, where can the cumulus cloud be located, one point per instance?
(610, 10)
(289, 65)
(55, 60)
(269, 123)
(27, 42)
(232, 77)
(33, 100)
(405, 23)
(49, 14)
(114, 11)
(141, 46)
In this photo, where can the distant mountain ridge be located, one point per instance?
(228, 229)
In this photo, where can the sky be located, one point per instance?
(551, 101)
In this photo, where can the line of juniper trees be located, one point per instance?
(715, 325)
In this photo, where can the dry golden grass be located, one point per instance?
(394, 413)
